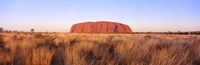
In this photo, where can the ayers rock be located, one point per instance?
(100, 27)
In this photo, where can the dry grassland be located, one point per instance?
(98, 49)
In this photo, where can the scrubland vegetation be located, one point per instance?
(98, 49)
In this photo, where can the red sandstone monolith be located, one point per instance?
(100, 27)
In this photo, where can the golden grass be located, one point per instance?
(98, 49)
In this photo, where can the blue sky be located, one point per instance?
(140, 15)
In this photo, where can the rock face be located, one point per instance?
(100, 27)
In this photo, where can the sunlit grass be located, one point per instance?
(98, 49)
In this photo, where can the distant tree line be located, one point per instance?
(169, 32)
(1, 29)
